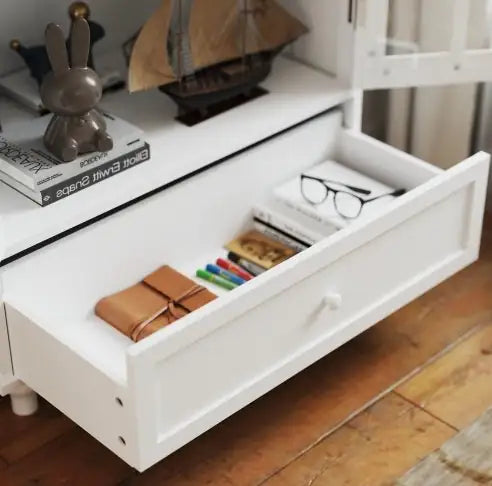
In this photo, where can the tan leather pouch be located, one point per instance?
(160, 299)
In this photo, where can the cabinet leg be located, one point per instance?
(24, 401)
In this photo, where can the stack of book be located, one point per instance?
(298, 215)
(27, 167)
(288, 217)
(283, 223)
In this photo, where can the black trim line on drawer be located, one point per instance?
(147, 195)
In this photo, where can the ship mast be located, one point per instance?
(181, 48)
(248, 25)
(179, 38)
(244, 32)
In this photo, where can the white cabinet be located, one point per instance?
(145, 400)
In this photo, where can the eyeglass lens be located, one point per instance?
(347, 205)
(313, 191)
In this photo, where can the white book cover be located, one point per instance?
(24, 157)
(139, 153)
(24, 190)
(292, 222)
(290, 194)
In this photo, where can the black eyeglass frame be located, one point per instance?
(363, 202)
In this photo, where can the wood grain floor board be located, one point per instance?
(73, 459)
(465, 460)
(19, 436)
(457, 387)
(373, 449)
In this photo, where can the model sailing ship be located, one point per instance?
(203, 52)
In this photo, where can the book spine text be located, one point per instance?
(95, 175)
(278, 235)
(287, 225)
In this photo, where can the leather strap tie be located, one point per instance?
(169, 307)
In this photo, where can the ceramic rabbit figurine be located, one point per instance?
(72, 94)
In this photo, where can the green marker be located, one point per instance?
(210, 277)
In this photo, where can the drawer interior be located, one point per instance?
(185, 226)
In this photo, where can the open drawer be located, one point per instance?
(145, 400)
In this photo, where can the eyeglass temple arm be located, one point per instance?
(352, 188)
(397, 193)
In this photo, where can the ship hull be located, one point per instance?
(211, 87)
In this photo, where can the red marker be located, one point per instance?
(226, 265)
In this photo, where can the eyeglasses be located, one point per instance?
(348, 205)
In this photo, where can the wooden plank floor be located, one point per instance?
(361, 416)
(465, 460)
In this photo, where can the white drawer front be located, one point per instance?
(188, 377)
(248, 345)
(311, 317)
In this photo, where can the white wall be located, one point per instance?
(319, 46)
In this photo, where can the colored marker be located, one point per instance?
(225, 274)
(250, 267)
(210, 277)
(226, 265)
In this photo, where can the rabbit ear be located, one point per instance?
(80, 41)
(57, 50)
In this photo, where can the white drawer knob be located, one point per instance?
(332, 300)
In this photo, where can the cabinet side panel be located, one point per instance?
(6, 370)
(5, 360)
(72, 385)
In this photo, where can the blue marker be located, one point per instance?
(225, 274)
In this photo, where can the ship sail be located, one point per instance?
(214, 31)
(150, 65)
(275, 27)
(212, 36)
